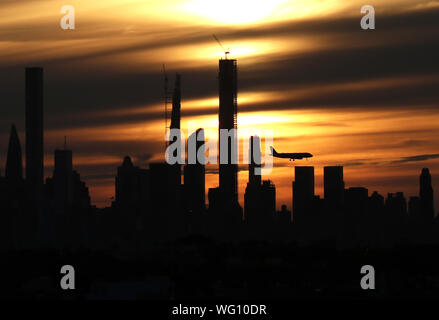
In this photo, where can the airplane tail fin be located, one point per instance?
(273, 152)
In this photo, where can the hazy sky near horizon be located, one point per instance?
(368, 100)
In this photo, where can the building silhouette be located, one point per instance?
(396, 207)
(333, 185)
(12, 195)
(132, 202)
(421, 211)
(166, 199)
(375, 226)
(304, 215)
(426, 197)
(228, 110)
(259, 197)
(226, 212)
(254, 156)
(252, 198)
(63, 180)
(14, 164)
(132, 187)
(283, 217)
(414, 209)
(66, 207)
(260, 209)
(355, 217)
(303, 193)
(176, 122)
(268, 196)
(194, 173)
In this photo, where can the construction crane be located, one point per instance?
(226, 52)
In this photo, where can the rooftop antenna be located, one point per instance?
(226, 52)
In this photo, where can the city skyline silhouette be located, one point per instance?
(85, 181)
(34, 75)
(176, 205)
(372, 111)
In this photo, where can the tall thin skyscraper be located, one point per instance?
(14, 166)
(175, 124)
(228, 110)
(426, 196)
(176, 103)
(34, 130)
(252, 195)
(194, 173)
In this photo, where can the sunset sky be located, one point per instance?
(367, 100)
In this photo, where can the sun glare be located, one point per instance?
(234, 11)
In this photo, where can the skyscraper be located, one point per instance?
(268, 199)
(34, 131)
(252, 196)
(396, 206)
(334, 185)
(254, 167)
(132, 186)
(14, 166)
(165, 197)
(176, 122)
(303, 192)
(259, 199)
(176, 103)
(63, 180)
(194, 173)
(228, 110)
(426, 196)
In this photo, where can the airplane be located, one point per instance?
(291, 156)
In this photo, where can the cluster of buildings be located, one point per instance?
(352, 218)
(345, 217)
(154, 204)
(38, 213)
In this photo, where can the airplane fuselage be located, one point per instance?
(293, 156)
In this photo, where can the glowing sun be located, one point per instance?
(234, 11)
